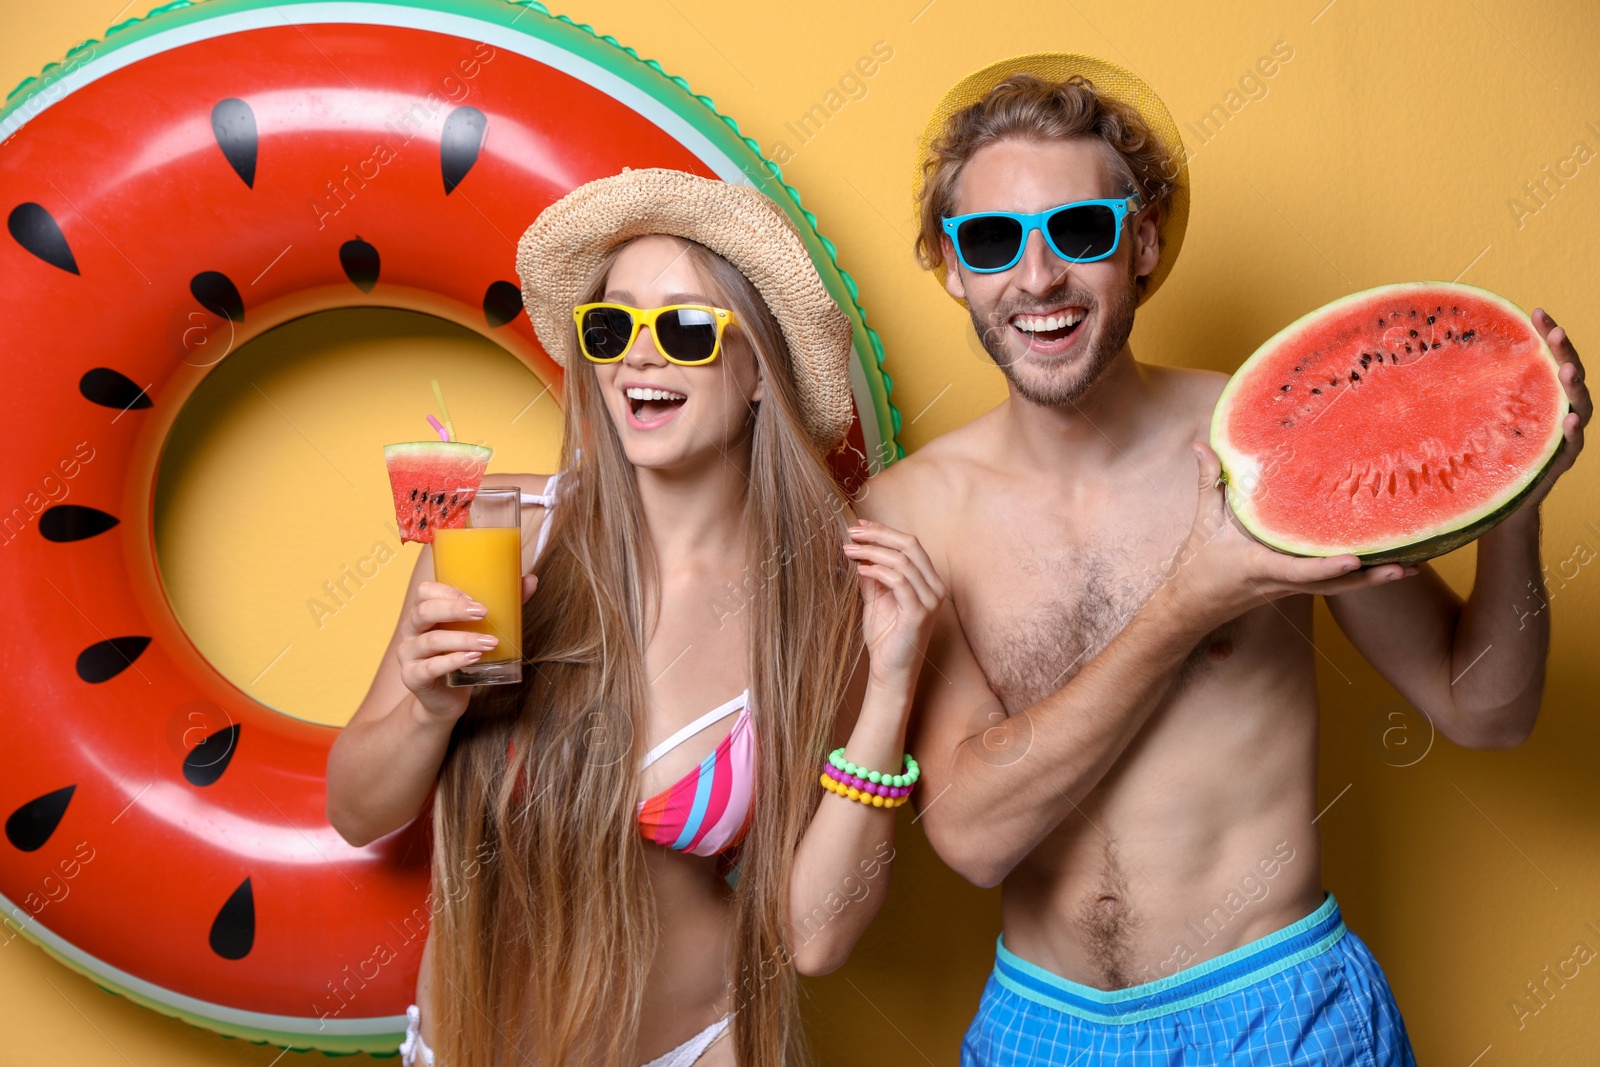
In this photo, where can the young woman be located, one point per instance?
(632, 878)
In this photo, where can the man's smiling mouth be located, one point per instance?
(1050, 327)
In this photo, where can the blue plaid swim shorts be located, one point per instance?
(1311, 993)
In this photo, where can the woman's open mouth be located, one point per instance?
(649, 408)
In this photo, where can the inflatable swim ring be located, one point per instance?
(196, 178)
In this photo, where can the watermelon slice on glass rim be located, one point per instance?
(434, 483)
(1397, 424)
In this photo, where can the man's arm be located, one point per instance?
(994, 785)
(1476, 669)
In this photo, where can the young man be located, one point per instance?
(1119, 713)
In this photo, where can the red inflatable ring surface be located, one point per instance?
(195, 179)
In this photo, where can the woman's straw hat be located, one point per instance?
(1110, 81)
(568, 240)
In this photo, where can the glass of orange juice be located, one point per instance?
(483, 559)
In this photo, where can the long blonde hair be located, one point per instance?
(543, 957)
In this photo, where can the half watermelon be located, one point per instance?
(433, 483)
(1397, 424)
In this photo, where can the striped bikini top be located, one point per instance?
(708, 810)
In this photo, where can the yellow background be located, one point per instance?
(1390, 147)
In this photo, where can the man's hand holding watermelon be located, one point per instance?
(1574, 384)
(1221, 572)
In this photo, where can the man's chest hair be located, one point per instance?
(1033, 633)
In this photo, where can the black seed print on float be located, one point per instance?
(36, 230)
(360, 262)
(31, 825)
(233, 931)
(217, 294)
(459, 145)
(206, 761)
(502, 302)
(234, 126)
(74, 522)
(112, 389)
(104, 660)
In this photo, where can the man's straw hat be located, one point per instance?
(565, 244)
(1110, 81)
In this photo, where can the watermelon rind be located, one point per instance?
(433, 449)
(1461, 529)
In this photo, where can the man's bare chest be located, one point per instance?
(1041, 599)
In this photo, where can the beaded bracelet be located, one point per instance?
(878, 788)
(909, 777)
(850, 792)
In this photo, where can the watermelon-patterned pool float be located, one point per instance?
(196, 178)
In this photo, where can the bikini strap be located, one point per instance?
(721, 711)
(547, 500)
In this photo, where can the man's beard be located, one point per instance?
(1113, 325)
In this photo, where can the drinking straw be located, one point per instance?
(435, 423)
(450, 427)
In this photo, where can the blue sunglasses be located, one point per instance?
(1084, 231)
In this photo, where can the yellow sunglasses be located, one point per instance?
(686, 334)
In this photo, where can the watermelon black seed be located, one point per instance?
(1413, 333)
(31, 825)
(422, 522)
(233, 932)
(1365, 359)
(206, 761)
(1354, 377)
(1430, 320)
(502, 302)
(1284, 388)
(1469, 333)
(459, 145)
(1413, 314)
(1438, 344)
(439, 499)
(36, 230)
(233, 124)
(1316, 392)
(74, 522)
(360, 262)
(104, 660)
(413, 492)
(217, 294)
(111, 389)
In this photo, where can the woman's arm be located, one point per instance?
(385, 761)
(841, 870)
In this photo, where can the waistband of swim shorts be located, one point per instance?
(1217, 977)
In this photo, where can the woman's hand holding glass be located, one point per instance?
(428, 650)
